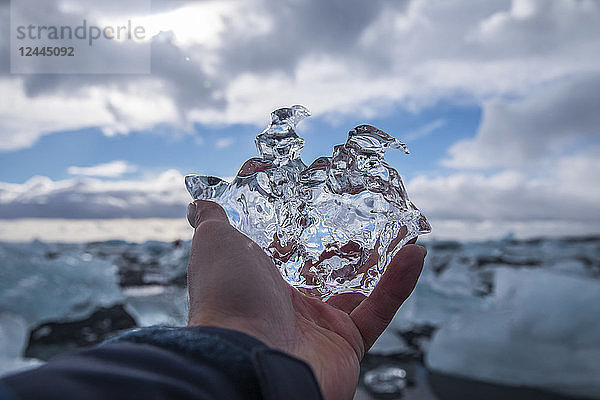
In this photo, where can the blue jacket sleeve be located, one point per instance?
(169, 363)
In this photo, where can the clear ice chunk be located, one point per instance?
(331, 227)
(386, 380)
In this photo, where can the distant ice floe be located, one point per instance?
(40, 284)
(524, 313)
(542, 329)
(157, 305)
(13, 339)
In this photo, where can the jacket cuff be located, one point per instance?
(243, 358)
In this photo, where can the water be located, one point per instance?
(331, 227)
(62, 286)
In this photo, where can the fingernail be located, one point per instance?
(204, 210)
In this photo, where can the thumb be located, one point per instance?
(204, 210)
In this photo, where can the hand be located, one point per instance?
(234, 284)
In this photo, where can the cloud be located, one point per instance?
(41, 104)
(544, 26)
(223, 143)
(533, 65)
(343, 57)
(424, 130)
(567, 193)
(113, 169)
(534, 130)
(533, 160)
(25, 119)
(468, 206)
(162, 196)
(465, 205)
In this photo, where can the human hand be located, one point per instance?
(233, 284)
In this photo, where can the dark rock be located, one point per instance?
(180, 280)
(53, 338)
(416, 336)
(438, 263)
(582, 239)
(482, 261)
(446, 245)
(141, 265)
(416, 339)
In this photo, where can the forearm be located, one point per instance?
(171, 363)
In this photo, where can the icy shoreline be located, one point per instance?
(480, 309)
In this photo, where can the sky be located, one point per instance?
(498, 101)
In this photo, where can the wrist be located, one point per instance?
(255, 327)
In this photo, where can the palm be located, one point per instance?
(331, 343)
(233, 284)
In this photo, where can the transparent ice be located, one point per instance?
(330, 228)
